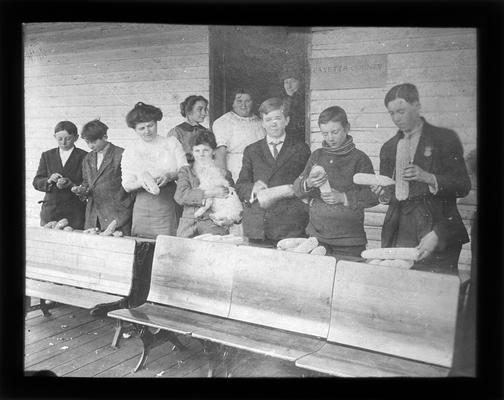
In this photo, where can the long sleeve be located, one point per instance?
(300, 183)
(186, 194)
(362, 196)
(453, 179)
(40, 181)
(180, 155)
(129, 173)
(245, 180)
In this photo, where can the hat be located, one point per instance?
(291, 70)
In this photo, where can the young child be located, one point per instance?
(194, 190)
(337, 213)
(59, 169)
(101, 172)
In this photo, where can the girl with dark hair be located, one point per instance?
(193, 189)
(149, 168)
(59, 170)
(337, 214)
(194, 109)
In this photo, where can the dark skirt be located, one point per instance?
(155, 215)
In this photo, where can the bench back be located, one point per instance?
(99, 263)
(262, 286)
(283, 290)
(406, 313)
(192, 274)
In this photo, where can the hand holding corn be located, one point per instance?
(427, 245)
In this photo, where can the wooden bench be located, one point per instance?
(352, 319)
(235, 297)
(405, 320)
(88, 271)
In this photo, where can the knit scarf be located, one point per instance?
(347, 146)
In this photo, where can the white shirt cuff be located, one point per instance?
(434, 189)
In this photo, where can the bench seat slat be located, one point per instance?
(67, 294)
(242, 335)
(345, 361)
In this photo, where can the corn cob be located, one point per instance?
(391, 253)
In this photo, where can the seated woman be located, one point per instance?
(59, 170)
(194, 109)
(193, 189)
(150, 167)
(337, 213)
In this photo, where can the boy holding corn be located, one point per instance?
(428, 166)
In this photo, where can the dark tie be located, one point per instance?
(275, 150)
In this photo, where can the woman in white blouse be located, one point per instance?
(235, 130)
(161, 157)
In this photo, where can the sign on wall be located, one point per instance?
(349, 72)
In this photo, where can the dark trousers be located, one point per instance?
(445, 261)
(350, 253)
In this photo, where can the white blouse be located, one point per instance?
(236, 133)
(158, 157)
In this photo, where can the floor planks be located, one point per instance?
(72, 343)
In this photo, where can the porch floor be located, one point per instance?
(73, 343)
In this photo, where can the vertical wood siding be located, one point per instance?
(82, 71)
(442, 62)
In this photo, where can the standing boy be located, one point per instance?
(101, 171)
(428, 165)
(276, 160)
(60, 169)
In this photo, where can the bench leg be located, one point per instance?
(147, 339)
(27, 305)
(101, 310)
(229, 358)
(212, 352)
(150, 340)
(44, 308)
(117, 334)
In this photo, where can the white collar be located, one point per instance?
(269, 139)
(66, 151)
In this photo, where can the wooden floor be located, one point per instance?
(73, 343)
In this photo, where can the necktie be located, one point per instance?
(403, 159)
(275, 150)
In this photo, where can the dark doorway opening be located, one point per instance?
(253, 57)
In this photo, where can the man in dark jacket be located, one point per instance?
(294, 100)
(428, 165)
(276, 160)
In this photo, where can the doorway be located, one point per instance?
(253, 57)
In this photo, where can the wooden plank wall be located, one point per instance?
(442, 62)
(82, 71)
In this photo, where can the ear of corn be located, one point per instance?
(289, 243)
(404, 264)
(391, 253)
(372, 179)
(50, 225)
(61, 224)
(319, 250)
(110, 228)
(316, 171)
(150, 183)
(305, 247)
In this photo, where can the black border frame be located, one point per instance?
(487, 16)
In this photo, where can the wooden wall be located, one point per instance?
(82, 71)
(440, 61)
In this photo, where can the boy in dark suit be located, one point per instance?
(428, 165)
(59, 169)
(276, 160)
(101, 171)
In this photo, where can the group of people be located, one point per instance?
(254, 153)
